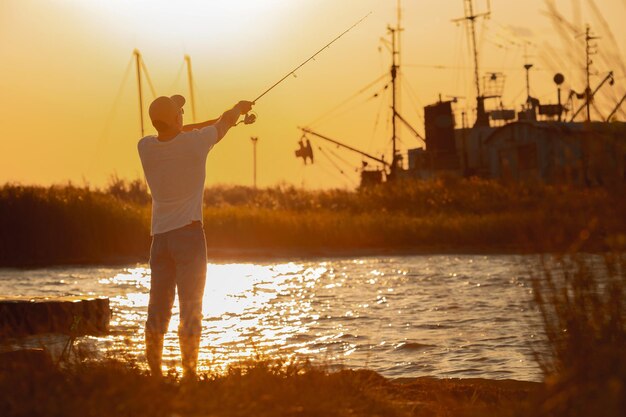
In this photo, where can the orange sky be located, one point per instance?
(68, 103)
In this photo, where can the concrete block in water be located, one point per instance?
(75, 316)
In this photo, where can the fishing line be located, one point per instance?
(312, 57)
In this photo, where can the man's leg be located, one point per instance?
(190, 258)
(162, 293)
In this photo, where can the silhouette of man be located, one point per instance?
(174, 165)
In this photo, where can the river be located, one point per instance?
(445, 316)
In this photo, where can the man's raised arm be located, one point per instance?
(227, 120)
(194, 126)
(230, 117)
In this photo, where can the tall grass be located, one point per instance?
(583, 304)
(252, 388)
(68, 224)
(64, 224)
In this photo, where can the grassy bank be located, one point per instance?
(68, 224)
(258, 388)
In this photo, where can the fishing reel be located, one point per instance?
(248, 118)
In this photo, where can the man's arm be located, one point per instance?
(229, 118)
(194, 126)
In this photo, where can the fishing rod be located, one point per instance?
(250, 118)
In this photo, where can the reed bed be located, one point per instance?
(70, 224)
(583, 304)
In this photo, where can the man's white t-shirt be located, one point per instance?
(176, 171)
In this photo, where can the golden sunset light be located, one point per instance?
(342, 208)
(70, 91)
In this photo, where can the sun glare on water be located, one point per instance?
(243, 315)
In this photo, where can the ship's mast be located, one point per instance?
(395, 83)
(482, 119)
(138, 65)
(394, 77)
(190, 80)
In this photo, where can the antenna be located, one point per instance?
(482, 118)
(589, 52)
(527, 67)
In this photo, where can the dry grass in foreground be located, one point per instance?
(259, 388)
(583, 304)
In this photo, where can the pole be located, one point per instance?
(399, 47)
(472, 22)
(587, 75)
(254, 140)
(528, 67)
(588, 62)
(482, 118)
(190, 80)
(394, 73)
(558, 89)
(138, 65)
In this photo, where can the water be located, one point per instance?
(403, 316)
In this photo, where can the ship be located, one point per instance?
(545, 142)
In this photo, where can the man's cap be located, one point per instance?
(164, 110)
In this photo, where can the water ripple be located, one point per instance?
(444, 315)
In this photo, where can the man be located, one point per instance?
(174, 165)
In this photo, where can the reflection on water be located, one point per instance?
(446, 316)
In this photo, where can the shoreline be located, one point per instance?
(287, 254)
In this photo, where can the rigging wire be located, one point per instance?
(333, 163)
(461, 82)
(201, 99)
(348, 164)
(145, 71)
(419, 105)
(486, 69)
(357, 105)
(343, 177)
(347, 100)
(178, 77)
(383, 98)
(107, 125)
(413, 98)
(336, 177)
